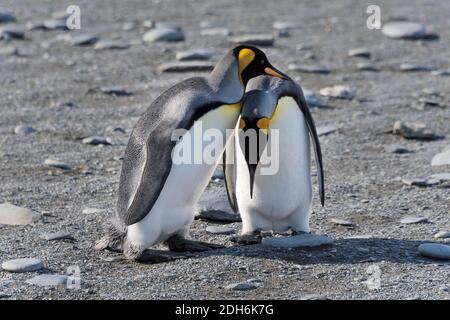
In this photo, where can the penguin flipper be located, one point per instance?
(315, 139)
(229, 172)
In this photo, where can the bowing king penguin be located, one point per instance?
(156, 196)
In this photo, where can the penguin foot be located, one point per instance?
(177, 243)
(159, 256)
(248, 238)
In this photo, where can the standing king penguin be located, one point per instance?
(281, 200)
(156, 196)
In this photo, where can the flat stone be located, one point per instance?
(35, 26)
(435, 251)
(14, 215)
(212, 23)
(396, 148)
(285, 25)
(298, 241)
(12, 32)
(23, 129)
(55, 24)
(6, 16)
(22, 265)
(218, 216)
(325, 130)
(57, 164)
(421, 182)
(410, 67)
(338, 91)
(8, 51)
(442, 235)
(195, 54)
(59, 235)
(115, 91)
(405, 30)
(219, 230)
(164, 34)
(92, 210)
(441, 177)
(48, 280)
(441, 159)
(96, 140)
(241, 286)
(263, 40)
(314, 297)
(107, 44)
(412, 220)
(186, 66)
(83, 39)
(359, 52)
(441, 72)
(366, 66)
(413, 131)
(224, 32)
(341, 222)
(308, 69)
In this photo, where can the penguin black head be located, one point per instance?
(253, 62)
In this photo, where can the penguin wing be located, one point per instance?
(229, 172)
(315, 139)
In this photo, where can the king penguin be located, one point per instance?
(156, 195)
(268, 175)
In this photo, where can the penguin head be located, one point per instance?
(253, 62)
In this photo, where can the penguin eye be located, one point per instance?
(263, 62)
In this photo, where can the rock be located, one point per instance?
(219, 230)
(435, 251)
(263, 40)
(366, 66)
(48, 280)
(83, 39)
(195, 54)
(213, 23)
(218, 216)
(186, 66)
(23, 129)
(6, 16)
(315, 297)
(421, 182)
(164, 34)
(396, 148)
(441, 177)
(410, 67)
(11, 32)
(57, 164)
(22, 265)
(241, 286)
(14, 215)
(298, 241)
(412, 220)
(55, 24)
(406, 30)
(313, 99)
(111, 45)
(35, 26)
(342, 222)
(338, 91)
(442, 235)
(115, 91)
(96, 140)
(224, 32)
(413, 131)
(308, 69)
(325, 130)
(359, 52)
(441, 159)
(441, 72)
(9, 51)
(59, 235)
(92, 210)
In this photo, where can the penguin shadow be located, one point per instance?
(342, 251)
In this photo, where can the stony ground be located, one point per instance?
(53, 87)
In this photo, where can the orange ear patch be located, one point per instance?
(263, 124)
(241, 123)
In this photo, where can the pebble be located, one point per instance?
(285, 25)
(263, 40)
(297, 241)
(219, 230)
(59, 235)
(313, 99)
(6, 16)
(441, 159)
(166, 34)
(83, 39)
(22, 265)
(196, 54)
(14, 215)
(314, 297)
(212, 23)
(413, 131)
(442, 235)
(435, 251)
(396, 148)
(342, 222)
(57, 164)
(48, 280)
(405, 30)
(54, 24)
(412, 220)
(441, 72)
(12, 32)
(241, 286)
(92, 210)
(421, 182)
(366, 66)
(9, 51)
(215, 32)
(115, 91)
(218, 216)
(325, 130)
(108, 44)
(338, 91)
(96, 140)
(60, 15)
(186, 66)
(308, 69)
(441, 177)
(359, 52)
(410, 67)
(23, 129)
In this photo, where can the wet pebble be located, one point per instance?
(11, 32)
(435, 251)
(441, 72)
(410, 67)
(421, 182)
(22, 265)
(55, 24)
(313, 99)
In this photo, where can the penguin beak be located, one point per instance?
(272, 71)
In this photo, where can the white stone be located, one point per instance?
(22, 265)
(14, 215)
(48, 280)
(441, 159)
(411, 220)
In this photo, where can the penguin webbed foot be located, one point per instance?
(178, 243)
(159, 256)
(248, 238)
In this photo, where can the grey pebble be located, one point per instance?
(186, 66)
(298, 241)
(359, 52)
(405, 30)
(442, 235)
(83, 39)
(410, 67)
(413, 220)
(212, 23)
(441, 159)
(366, 66)
(6, 16)
(441, 72)
(218, 216)
(23, 129)
(241, 286)
(59, 235)
(12, 32)
(22, 265)
(57, 164)
(164, 34)
(313, 99)
(14, 215)
(413, 131)
(115, 91)
(263, 40)
(219, 230)
(396, 148)
(325, 130)
(48, 280)
(435, 251)
(111, 45)
(55, 24)
(314, 297)
(338, 91)
(341, 222)
(97, 140)
(308, 69)
(224, 32)
(421, 182)
(195, 54)
(9, 51)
